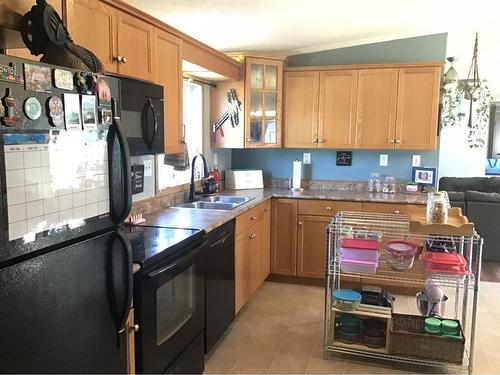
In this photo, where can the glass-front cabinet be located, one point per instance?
(263, 96)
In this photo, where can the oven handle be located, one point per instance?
(221, 241)
(127, 251)
(185, 259)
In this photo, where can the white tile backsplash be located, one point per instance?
(15, 177)
(17, 212)
(32, 159)
(92, 210)
(103, 207)
(80, 212)
(65, 202)
(17, 230)
(36, 224)
(48, 190)
(16, 195)
(33, 192)
(14, 160)
(52, 219)
(103, 194)
(79, 199)
(66, 215)
(92, 196)
(46, 174)
(34, 209)
(50, 205)
(45, 158)
(33, 176)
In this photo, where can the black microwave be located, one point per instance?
(142, 116)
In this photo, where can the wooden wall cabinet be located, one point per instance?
(261, 94)
(301, 109)
(123, 42)
(168, 73)
(377, 107)
(252, 252)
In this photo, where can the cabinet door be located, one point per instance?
(376, 108)
(134, 47)
(263, 97)
(131, 328)
(254, 256)
(284, 236)
(168, 73)
(92, 24)
(301, 109)
(417, 111)
(386, 208)
(337, 109)
(241, 286)
(265, 258)
(311, 245)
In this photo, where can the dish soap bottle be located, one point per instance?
(216, 175)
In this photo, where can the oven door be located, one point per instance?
(170, 307)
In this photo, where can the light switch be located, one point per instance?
(415, 161)
(148, 168)
(384, 160)
(307, 158)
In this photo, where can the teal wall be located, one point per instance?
(278, 162)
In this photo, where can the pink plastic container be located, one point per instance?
(358, 266)
(360, 250)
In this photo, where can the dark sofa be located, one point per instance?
(479, 198)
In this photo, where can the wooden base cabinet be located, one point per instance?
(252, 252)
(284, 237)
(311, 245)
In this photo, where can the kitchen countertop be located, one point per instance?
(209, 220)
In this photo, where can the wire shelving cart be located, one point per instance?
(462, 289)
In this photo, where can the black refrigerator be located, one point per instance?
(65, 268)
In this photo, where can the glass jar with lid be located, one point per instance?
(437, 208)
(374, 183)
(389, 185)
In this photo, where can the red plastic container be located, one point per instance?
(360, 250)
(445, 263)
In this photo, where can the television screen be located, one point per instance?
(492, 167)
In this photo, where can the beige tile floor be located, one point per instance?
(280, 330)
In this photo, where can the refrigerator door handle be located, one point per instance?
(128, 281)
(126, 178)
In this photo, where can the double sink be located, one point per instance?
(220, 202)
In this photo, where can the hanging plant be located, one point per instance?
(472, 92)
(454, 104)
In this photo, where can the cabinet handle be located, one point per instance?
(300, 222)
(321, 140)
(253, 218)
(396, 211)
(391, 141)
(249, 140)
(328, 208)
(397, 141)
(121, 59)
(266, 209)
(135, 328)
(253, 236)
(315, 140)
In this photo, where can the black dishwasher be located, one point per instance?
(219, 283)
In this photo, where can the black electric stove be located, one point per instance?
(151, 245)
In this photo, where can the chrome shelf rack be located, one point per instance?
(385, 227)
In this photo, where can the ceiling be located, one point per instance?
(288, 27)
(296, 26)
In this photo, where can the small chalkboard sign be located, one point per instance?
(137, 178)
(344, 158)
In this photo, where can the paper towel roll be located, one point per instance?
(297, 174)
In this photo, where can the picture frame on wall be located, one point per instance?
(424, 175)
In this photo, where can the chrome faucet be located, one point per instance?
(192, 191)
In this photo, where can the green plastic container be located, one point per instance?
(433, 326)
(449, 327)
(349, 323)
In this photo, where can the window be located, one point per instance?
(192, 117)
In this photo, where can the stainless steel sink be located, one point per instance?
(227, 199)
(221, 202)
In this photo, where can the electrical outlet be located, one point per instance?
(306, 158)
(148, 168)
(384, 160)
(415, 161)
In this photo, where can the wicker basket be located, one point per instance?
(408, 338)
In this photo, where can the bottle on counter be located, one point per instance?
(217, 178)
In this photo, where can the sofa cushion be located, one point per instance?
(464, 183)
(456, 196)
(478, 196)
(494, 185)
